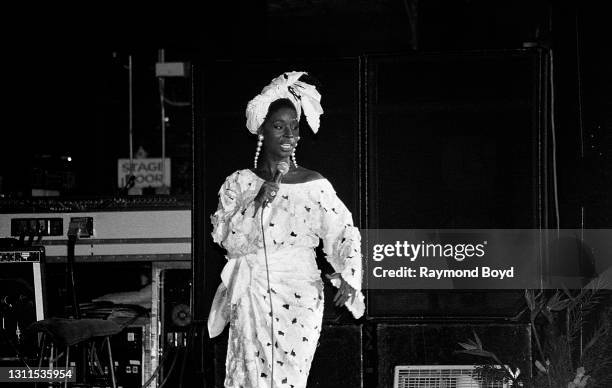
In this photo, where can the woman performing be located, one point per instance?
(270, 219)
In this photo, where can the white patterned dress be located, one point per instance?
(300, 215)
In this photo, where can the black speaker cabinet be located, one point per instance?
(338, 360)
(129, 355)
(455, 140)
(175, 310)
(175, 316)
(22, 300)
(436, 344)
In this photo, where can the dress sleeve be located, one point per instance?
(229, 205)
(341, 244)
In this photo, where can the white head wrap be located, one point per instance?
(304, 96)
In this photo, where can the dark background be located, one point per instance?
(68, 96)
(67, 79)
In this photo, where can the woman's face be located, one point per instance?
(280, 131)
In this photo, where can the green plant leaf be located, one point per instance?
(540, 367)
(477, 339)
(555, 303)
(468, 346)
(530, 299)
(479, 352)
(548, 315)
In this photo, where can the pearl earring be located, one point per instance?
(258, 150)
(293, 153)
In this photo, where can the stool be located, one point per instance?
(69, 332)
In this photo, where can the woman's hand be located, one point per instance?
(266, 194)
(344, 291)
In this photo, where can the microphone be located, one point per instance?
(281, 169)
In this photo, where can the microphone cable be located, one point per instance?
(263, 237)
(282, 169)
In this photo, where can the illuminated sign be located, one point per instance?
(148, 172)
